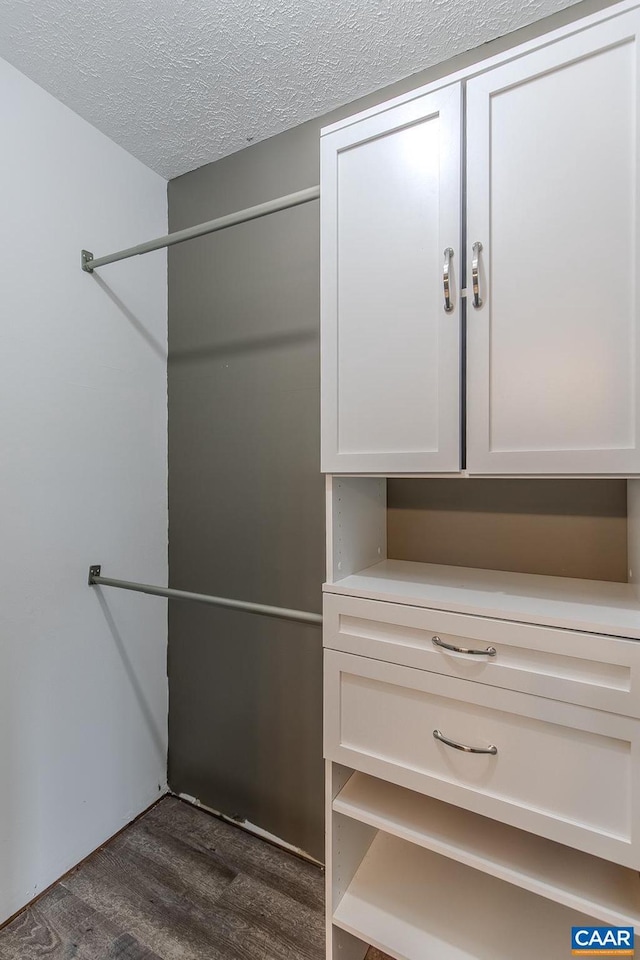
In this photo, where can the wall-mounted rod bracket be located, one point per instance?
(89, 262)
(279, 613)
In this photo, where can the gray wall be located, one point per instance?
(246, 495)
(245, 492)
(561, 528)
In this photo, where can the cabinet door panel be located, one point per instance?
(552, 196)
(391, 367)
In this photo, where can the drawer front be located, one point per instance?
(583, 668)
(562, 771)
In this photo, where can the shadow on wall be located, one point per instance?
(275, 341)
(147, 714)
(131, 317)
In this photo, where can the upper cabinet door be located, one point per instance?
(552, 180)
(390, 208)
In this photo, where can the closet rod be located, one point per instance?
(89, 262)
(280, 613)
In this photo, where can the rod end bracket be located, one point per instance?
(85, 258)
(94, 571)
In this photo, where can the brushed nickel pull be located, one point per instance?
(487, 652)
(462, 746)
(448, 253)
(477, 300)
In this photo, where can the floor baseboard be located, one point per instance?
(251, 828)
(30, 903)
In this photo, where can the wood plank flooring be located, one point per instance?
(178, 884)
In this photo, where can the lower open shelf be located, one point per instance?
(414, 904)
(566, 876)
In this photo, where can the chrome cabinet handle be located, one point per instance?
(462, 746)
(448, 253)
(477, 300)
(487, 652)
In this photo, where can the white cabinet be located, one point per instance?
(482, 738)
(441, 788)
(552, 219)
(390, 349)
(552, 194)
(482, 728)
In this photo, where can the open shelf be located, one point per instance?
(567, 876)
(586, 605)
(416, 905)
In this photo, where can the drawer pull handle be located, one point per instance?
(487, 652)
(475, 270)
(462, 746)
(448, 306)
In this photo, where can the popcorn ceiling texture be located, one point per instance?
(179, 83)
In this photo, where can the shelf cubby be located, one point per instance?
(566, 876)
(358, 566)
(414, 904)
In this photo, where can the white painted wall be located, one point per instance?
(83, 478)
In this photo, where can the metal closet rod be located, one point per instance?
(280, 613)
(89, 262)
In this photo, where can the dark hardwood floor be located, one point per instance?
(178, 884)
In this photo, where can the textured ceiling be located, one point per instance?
(179, 83)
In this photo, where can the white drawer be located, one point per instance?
(589, 669)
(562, 771)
